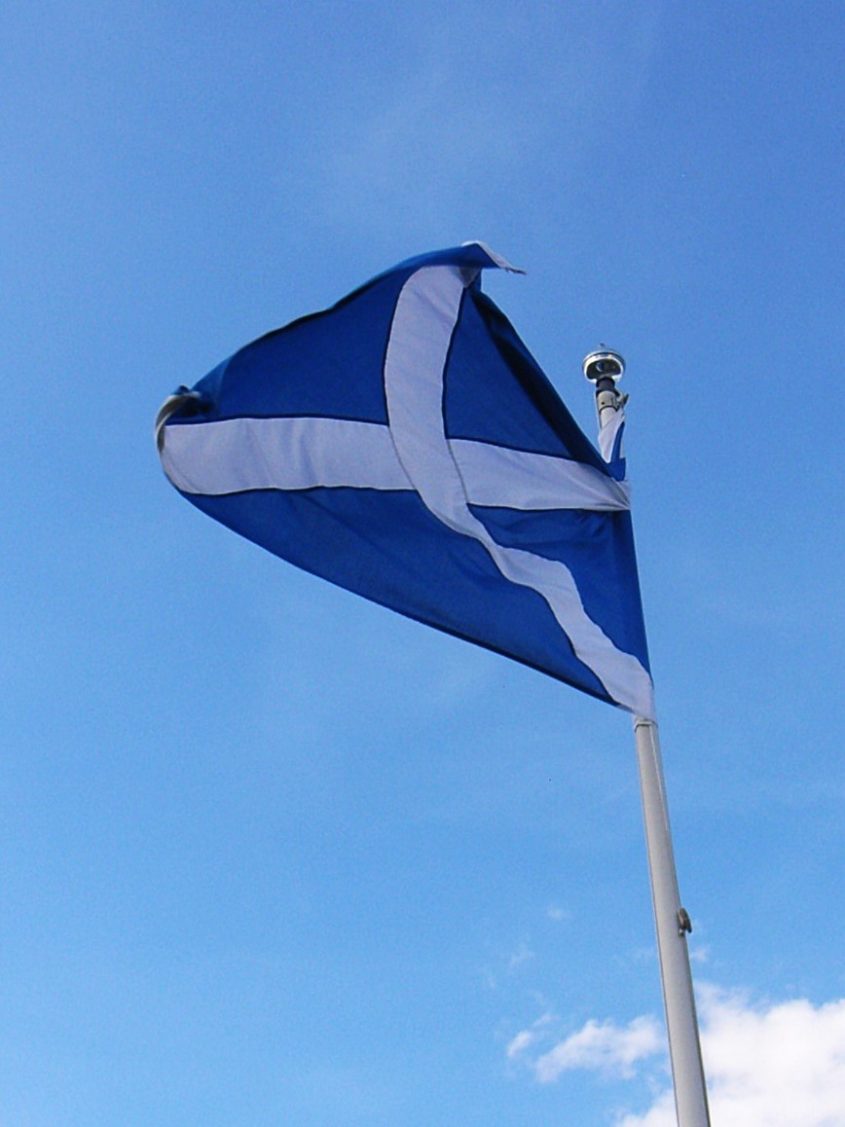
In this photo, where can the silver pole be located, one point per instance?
(672, 923)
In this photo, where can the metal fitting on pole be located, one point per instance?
(605, 369)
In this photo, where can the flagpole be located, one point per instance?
(672, 922)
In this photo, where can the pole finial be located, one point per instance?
(603, 364)
(604, 368)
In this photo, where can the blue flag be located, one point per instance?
(405, 445)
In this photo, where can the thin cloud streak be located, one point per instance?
(602, 1046)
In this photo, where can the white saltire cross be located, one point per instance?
(412, 452)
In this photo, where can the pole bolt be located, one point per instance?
(684, 922)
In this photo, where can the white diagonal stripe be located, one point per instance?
(426, 315)
(517, 479)
(236, 455)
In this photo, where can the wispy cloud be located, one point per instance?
(558, 914)
(527, 1037)
(522, 955)
(604, 1046)
(598, 1046)
(778, 1064)
(523, 1040)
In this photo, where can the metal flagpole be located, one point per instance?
(672, 922)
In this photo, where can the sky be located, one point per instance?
(271, 855)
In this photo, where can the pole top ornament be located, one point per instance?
(603, 364)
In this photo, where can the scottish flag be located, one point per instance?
(405, 445)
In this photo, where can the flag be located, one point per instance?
(405, 445)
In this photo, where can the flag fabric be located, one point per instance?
(405, 445)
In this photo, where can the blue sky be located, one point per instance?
(271, 855)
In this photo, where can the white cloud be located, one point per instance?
(523, 1040)
(527, 1037)
(611, 1048)
(773, 1065)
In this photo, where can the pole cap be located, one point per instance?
(603, 364)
